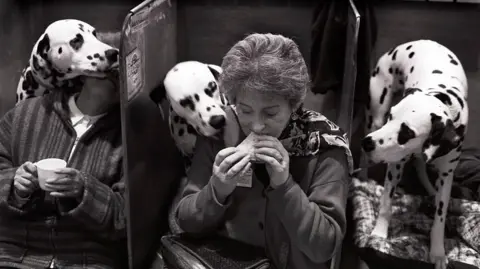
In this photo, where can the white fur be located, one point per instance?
(192, 80)
(436, 71)
(54, 61)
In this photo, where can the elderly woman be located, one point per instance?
(294, 206)
(80, 221)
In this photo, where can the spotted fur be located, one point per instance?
(196, 104)
(427, 125)
(66, 50)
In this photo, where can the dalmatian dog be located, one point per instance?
(196, 104)
(427, 125)
(66, 50)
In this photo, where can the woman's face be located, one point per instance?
(261, 113)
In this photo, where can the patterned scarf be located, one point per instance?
(310, 133)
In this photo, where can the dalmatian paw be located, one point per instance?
(438, 257)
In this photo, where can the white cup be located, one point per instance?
(46, 170)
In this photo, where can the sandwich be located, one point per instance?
(248, 146)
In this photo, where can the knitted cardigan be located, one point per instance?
(75, 234)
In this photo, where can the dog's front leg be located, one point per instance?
(393, 177)
(446, 166)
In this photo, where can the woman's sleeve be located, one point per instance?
(199, 210)
(316, 220)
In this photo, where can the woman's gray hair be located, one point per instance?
(265, 63)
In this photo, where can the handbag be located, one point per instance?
(184, 251)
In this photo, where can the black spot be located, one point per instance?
(453, 62)
(444, 175)
(411, 54)
(380, 141)
(401, 82)
(444, 98)
(190, 129)
(43, 47)
(183, 121)
(392, 192)
(403, 160)
(96, 55)
(94, 33)
(441, 180)
(436, 71)
(450, 170)
(69, 70)
(181, 131)
(440, 208)
(77, 42)
(208, 108)
(442, 86)
(460, 130)
(459, 100)
(29, 82)
(93, 63)
(176, 119)
(405, 134)
(81, 26)
(370, 122)
(455, 88)
(376, 71)
(60, 50)
(411, 69)
(394, 56)
(188, 102)
(197, 97)
(390, 70)
(445, 113)
(384, 94)
(397, 71)
(398, 166)
(409, 47)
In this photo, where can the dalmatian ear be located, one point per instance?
(158, 94)
(444, 137)
(215, 69)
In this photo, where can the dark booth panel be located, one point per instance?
(153, 165)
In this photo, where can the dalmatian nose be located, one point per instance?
(217, 121)
(111, 55)
(368, 144)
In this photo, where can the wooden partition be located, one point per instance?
(152, 163)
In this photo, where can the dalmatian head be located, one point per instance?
(192, 89)
(69, 48)
(418, 124)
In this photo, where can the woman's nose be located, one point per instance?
(257, 126)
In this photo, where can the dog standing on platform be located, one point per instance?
(427, 125)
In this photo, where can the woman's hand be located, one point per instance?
(271, 151)
(26, 180)
(69, 184)
(228, 166)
